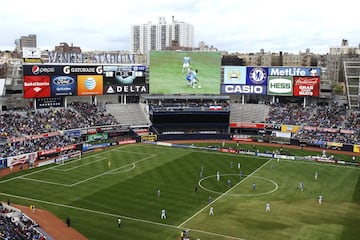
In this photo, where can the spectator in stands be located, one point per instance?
(68, 221)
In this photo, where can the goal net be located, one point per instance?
(61, 159)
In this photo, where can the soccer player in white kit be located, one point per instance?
(301, 186)
(163, 214)
(320, 199)
(267, 207)
(211, 211)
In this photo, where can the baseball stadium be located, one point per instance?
(160, 148)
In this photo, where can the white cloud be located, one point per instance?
(233, 25)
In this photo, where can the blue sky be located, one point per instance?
(232, 25)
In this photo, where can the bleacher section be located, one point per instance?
(256, 113)
(129, 114)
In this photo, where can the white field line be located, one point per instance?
(85, 180)
(58, 168)
(107, 172)
(117, 216)
(224, 194)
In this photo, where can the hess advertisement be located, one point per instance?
(280, 86)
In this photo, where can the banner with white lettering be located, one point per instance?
(243, 89)
(280, 86)
(307, 86)
(125, 79)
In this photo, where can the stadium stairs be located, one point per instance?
(129, 114)
(256, 113)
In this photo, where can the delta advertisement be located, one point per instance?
(275, 81)
(125, 79)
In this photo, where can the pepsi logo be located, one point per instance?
(35, 69)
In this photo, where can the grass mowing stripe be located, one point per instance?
(176, 171)
(117, 216)
(222, 195)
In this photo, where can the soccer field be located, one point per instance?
(94, 193)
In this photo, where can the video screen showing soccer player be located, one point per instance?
(181, 72)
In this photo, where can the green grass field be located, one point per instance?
(94, 195)
(166, 76)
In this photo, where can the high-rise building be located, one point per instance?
(25, 41)
(155, 37)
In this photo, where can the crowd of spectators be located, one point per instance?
(328, 117)
(93, 115)
(318, 123)
(22, 125)
(14, 225)
(289, 114)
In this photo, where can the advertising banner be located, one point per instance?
(334, 144)
(22, 159)
(63, 85)
(307, 86)
(290, 128)
(280, 86)
(247, 125)
(243, 89)
(89, 85)
(56, 150)
(36, 86)
(30, 52)
(356, 148)
(72, 133)
(234, 75)
(256, 75)
(294, 71)
(49, 102)
(44, 81)
(149, 138)
(125, 79)
(97, 137)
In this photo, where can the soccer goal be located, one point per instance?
(61, 159)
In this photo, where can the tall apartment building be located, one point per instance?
(334, 59)
(155, 37)
(25, 41)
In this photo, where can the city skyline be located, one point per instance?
(234, 26)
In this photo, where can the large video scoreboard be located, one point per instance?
(44, 81)
(167, 74)
(271, 81)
